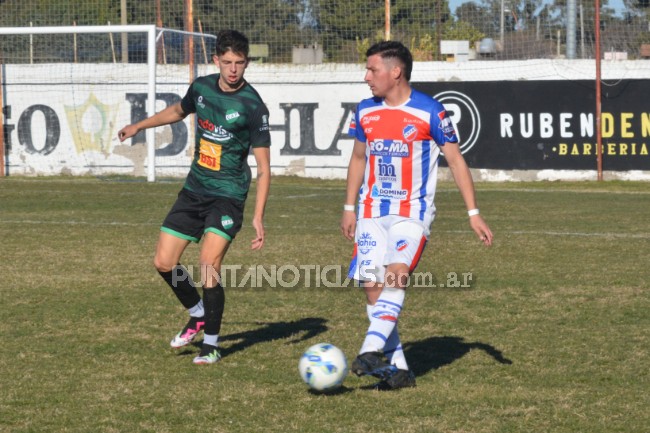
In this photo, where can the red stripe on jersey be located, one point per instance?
(407, 183)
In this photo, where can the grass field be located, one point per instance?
(551, 336)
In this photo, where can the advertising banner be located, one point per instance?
(540, 125)
(69, 126)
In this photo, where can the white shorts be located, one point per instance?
(382, 241)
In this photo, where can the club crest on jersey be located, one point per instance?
(393, 148)
(409, 132)
(401, 245)
(231, 115)
(366, 243)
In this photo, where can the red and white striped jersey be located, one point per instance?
(402, 151)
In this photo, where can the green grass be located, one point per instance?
(552, 335)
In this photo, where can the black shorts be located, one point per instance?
(193, 215)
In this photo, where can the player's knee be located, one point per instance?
(398, 278)
(162, 265)
(210, 274)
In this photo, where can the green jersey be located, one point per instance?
(228, 125)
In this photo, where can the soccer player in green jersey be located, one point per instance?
(231, 120)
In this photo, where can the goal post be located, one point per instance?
(150, 31)
(67, 91)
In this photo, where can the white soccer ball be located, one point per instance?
(323, 367)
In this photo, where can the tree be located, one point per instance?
(276, 23)
(463, 31)
(475, 15)
(344, 23)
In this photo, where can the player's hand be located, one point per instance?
(127, 132)
(481, 229)
(258, 241)
(348, 224)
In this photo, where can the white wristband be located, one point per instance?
(348, 207)
(473, 212)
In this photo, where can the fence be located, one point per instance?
(339, 31)
(63, 96)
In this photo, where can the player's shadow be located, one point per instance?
(264, 332)
(435, 352)
(341, 390)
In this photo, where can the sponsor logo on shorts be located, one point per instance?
(365, 243)
(227, 222)
(401, 245)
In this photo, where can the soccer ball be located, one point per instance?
(323, 367)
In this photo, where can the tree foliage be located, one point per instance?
(340, 27)
(461, 30)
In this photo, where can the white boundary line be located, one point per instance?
(596, 235)
(334, 231)
(331, 191)
(549, 191)
(77, 223)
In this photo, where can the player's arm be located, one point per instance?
(171, 114)
(263, 159)
(463, 178)
(356, 170)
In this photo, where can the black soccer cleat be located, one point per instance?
(372, 364)
(400, 379)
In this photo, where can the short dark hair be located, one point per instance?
(393, 50)
(231, 40)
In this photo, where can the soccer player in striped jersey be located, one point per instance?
(399, 135)
(232, 120)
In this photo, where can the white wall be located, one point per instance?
(90, 114)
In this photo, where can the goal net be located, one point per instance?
(67, 91)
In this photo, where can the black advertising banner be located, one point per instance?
(538, 125)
